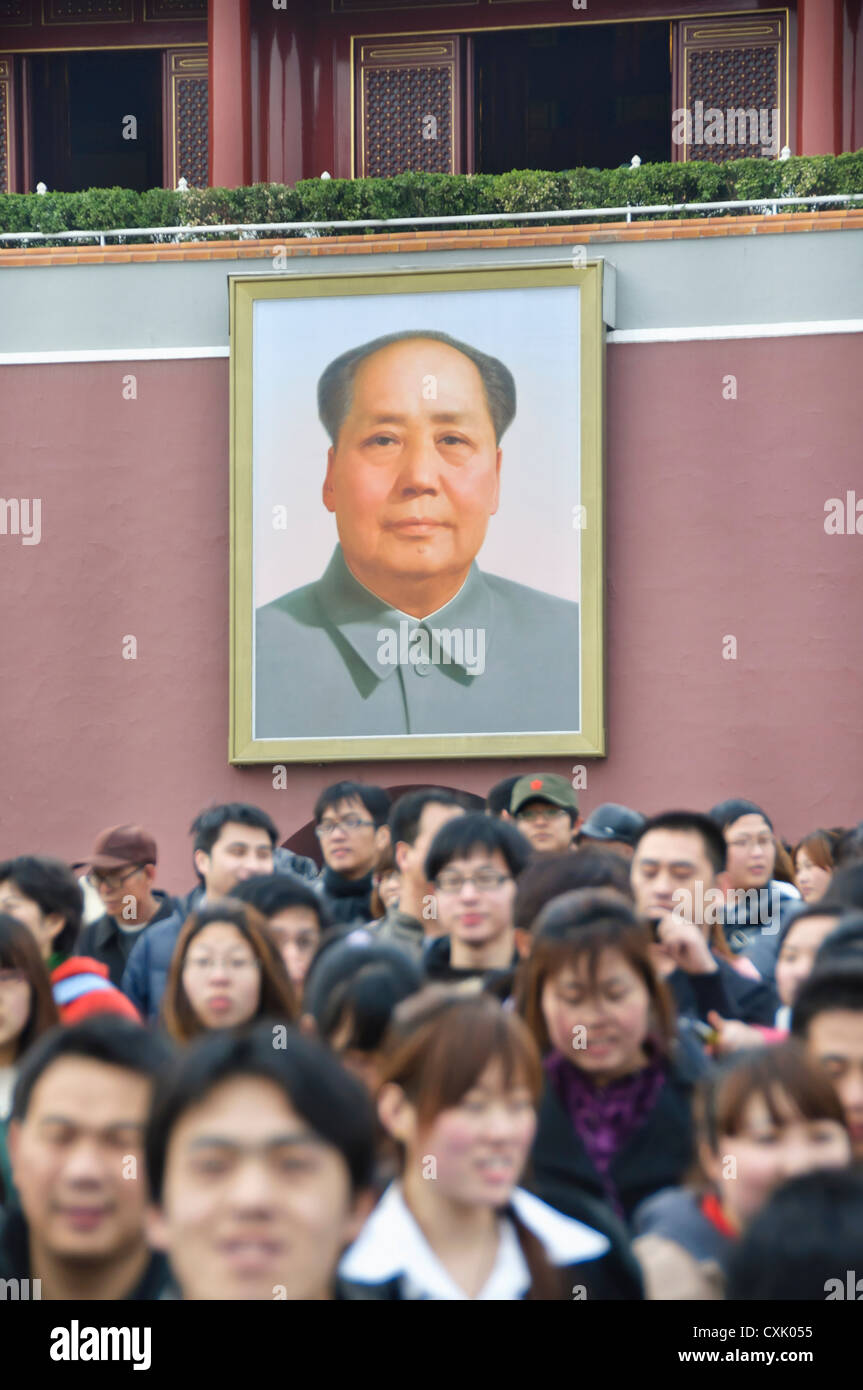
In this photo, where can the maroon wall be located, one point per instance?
(715, 528)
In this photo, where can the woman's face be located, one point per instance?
(751, 852)
(810, 878)
(389, 888)
(749, 1165)
(600, 1026)
(797, 954)
(222, 977)
(476, 1151)
(15, 997)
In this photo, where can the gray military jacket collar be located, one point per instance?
(362, 618)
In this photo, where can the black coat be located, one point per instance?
(657, 1155)
(105, 941)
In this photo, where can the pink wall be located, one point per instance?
(715, 528)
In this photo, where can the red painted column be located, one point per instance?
(230, 161)
(819, 69)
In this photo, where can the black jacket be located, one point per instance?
(657, 1155)
(437, 968)
(731, 994)
(15, 1259)
(348, 900)
(105, 940)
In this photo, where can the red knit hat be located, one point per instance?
(82, 989)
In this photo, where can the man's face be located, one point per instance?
(44, 927)
(125, 892)
(665, 861)
(414, 475)
(297, 931)
(77, 1160)
(475, 913)
(547, 827)
(349, 841)
(255, 1205)
(751, 852)
(240, 852)
(412, 858)
(835, 1040)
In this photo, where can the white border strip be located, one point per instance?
(720, 332)
(708, 333)
(130, 354)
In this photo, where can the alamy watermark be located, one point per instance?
(737, 126)
(436, 646)
(21, 517)
(759, 906)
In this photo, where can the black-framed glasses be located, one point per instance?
(349, 823)
(110, 881)
(484, 880)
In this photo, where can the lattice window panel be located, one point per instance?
(409, 106)
(733, 65)
(398, 104)
(186, 127)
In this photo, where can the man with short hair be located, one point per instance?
(499, 796)
(612, 827)
(351, 826)
(122, 869)
(43, 893)
(415, 819)
(76, 1145)
(232, 842)
(473, 862)
(828, 1017)
(296, 916)
(404, 633)
(544, 807)
(260, 1158)
(678, 856)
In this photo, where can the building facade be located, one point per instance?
(138, 93)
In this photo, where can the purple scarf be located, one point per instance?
(605, 1117)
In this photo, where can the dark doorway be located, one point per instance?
(82, 103)
(564, 98)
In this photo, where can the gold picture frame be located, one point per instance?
(584, 520)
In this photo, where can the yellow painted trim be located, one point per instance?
(244, 291)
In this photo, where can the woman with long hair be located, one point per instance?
(27, 1010)
(226, 971)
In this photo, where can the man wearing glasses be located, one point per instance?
(122, 869)
(473, 863)
(351, 826)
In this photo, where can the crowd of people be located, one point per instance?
(488, 1049)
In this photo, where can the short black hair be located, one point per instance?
(809, 1233)
(107, 1038)
(500, 795)
(272, 893)
(336, 383)
(359, 981)
(208, 825)
(464, 834)
(725, 813)
(54, 888)
(375, 800)
(694, 821)
(548, 877)
(406, 811)
(332, 1102)
(838, 984)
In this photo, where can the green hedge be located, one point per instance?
(432, 195)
